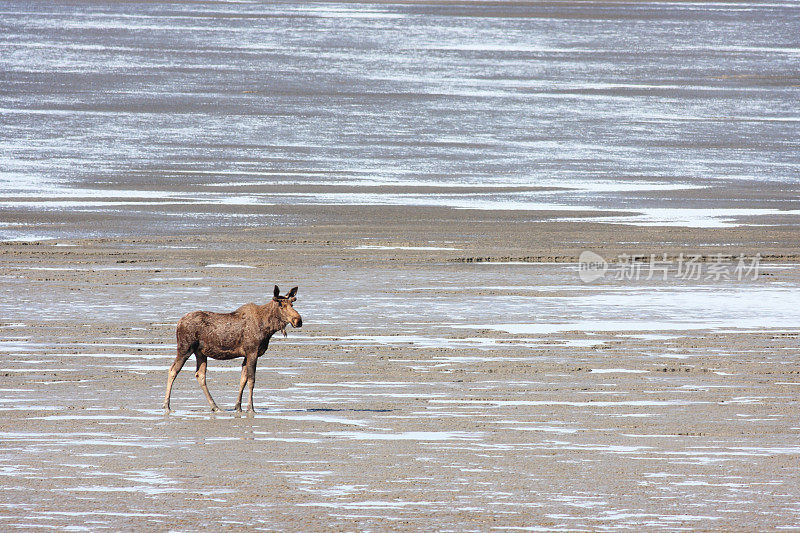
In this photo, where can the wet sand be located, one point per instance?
(402, 404)
(428, 174)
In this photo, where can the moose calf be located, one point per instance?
(242, 333)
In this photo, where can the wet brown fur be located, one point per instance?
(242, 333)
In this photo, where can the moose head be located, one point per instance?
(285, 310)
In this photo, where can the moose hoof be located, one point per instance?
(215, 409)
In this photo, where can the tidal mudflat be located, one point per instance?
(421, 393)
(429, 175)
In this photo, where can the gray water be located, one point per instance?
(110, 107)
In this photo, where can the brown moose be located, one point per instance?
(242, 333)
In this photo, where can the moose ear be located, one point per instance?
(276, 292)
(292, 292)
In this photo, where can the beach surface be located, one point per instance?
(424, 392)
(459, 191)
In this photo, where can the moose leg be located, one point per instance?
(251, 383)
(177, 364)
(242, 381)
(248, 378)
(200, 374)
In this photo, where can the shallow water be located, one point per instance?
(185, 115)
